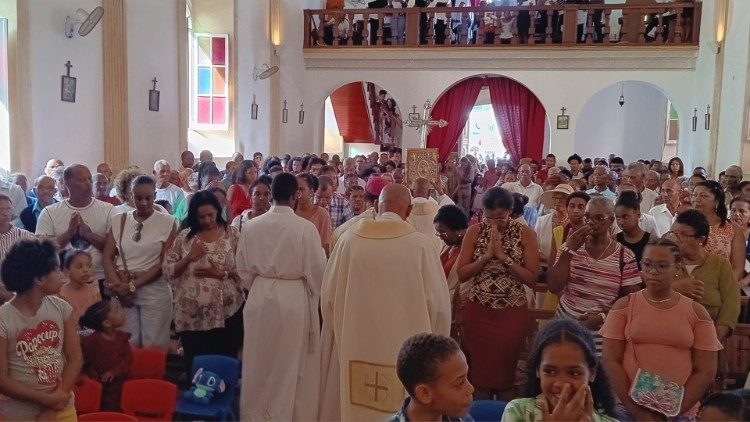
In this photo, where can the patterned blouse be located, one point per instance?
(203, 304)
(720, 239)
(495, 286)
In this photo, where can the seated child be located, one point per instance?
(563, 369)
(723, 406)
(39, 349)
(434, 372)
(106, 350)
(80, 290)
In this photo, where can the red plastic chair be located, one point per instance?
(106, 417)
(88, 396)
(149, 363)
(149, 399)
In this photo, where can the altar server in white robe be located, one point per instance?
(424, 209)
(383, 283)
(281, 263)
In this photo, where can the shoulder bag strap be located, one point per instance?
(122, 253)
(631, 305)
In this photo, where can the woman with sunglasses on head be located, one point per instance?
(660, 332)
(591, 270)
(501, 255)
(724, 237)
(132, 259)
(201, 268)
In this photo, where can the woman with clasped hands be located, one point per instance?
(501, 255)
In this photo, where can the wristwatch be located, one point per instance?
(131, 287)
(565, 248)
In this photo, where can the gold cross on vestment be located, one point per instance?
(377, 387)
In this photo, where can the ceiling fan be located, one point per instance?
(264, 72)
(84, 20)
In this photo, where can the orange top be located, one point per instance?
(664, 348)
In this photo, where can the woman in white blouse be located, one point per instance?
(133, 254)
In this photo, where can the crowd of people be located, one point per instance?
(344, 290)
(490, 26)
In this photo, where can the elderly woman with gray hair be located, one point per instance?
(592, 270)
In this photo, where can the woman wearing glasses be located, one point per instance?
(724, 237)
(201, 269)
(592, 270)
(682, 347)
(132, 258)
(705, 276)
(501, 255)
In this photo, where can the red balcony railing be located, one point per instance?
(569, 25)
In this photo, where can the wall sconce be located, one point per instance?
(707, 118)
(695, 119)
(274, 22)
(284, 113)
(622, 95)
(302, 113)
(254, 109)
(720, 22)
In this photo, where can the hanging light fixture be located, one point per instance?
(622, 95)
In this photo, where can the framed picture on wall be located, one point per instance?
(68, 89)
(563, 121)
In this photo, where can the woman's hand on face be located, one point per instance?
(577, 238)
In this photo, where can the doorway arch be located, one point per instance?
(519, 113)
(646, 126)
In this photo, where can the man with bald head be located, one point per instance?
(665, 212)
(526, 186)
(600, 179)
(383, 283)
(734, 177)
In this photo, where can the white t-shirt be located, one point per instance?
(146, 252)
(55, 218)
(533, 191)
(172, 194)
(647, 200)
(119, 209)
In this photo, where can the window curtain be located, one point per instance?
(454, 106)
(520, 117)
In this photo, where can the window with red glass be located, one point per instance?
(210, 88)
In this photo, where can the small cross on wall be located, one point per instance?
(67, 67)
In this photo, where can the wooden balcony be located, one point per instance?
(573, 25)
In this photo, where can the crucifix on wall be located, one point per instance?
(68, 85)
(153, 96)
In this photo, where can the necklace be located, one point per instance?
(658, 300)
(601, 254)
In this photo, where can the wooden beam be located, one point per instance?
(115, 87)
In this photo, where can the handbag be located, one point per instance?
(651, 390)
(129, 300)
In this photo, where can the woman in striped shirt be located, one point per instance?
(592, 270)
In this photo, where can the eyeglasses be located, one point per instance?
(678, 235)
(596, 218)
(659, 267)
(137, 234)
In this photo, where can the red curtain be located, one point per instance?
(454, 106)
(520, 117)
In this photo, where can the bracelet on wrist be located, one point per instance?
(565, 248)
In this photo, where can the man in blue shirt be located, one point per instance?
(44, 188)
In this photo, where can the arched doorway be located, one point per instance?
(519, 116)
(645, 126)
(361, 117)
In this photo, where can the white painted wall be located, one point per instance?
(152, 52)
(633, 131)
(71, 131)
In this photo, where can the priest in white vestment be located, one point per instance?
(383, 283)
(281, 263)
(424, 209)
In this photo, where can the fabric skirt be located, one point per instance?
(494, 338)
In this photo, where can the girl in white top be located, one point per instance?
(133, 256)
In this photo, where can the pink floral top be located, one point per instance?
(720, 239)
(202, 304)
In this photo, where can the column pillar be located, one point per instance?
(115, 86)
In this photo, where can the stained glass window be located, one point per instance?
(210, 88)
